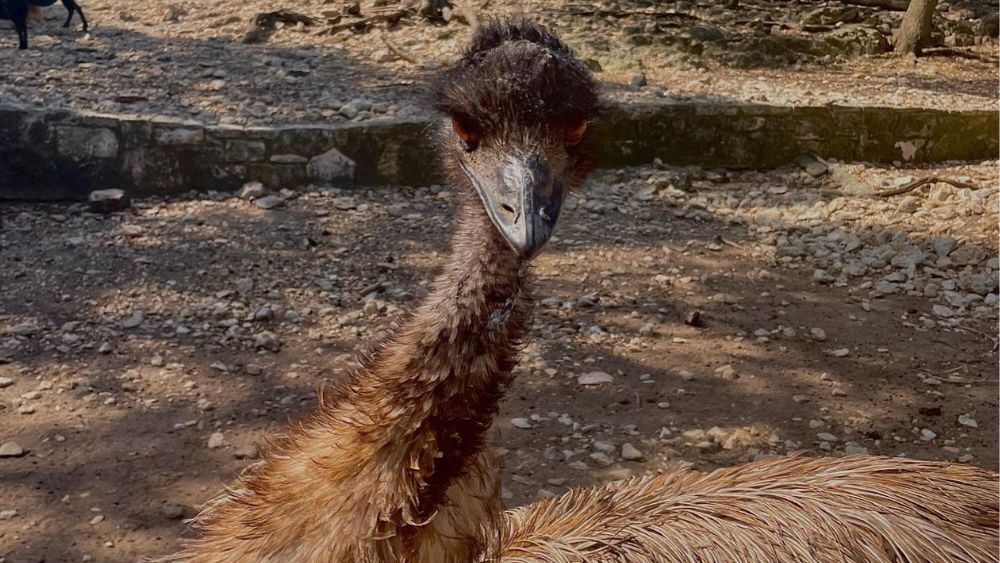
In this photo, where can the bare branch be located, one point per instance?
(920, 182)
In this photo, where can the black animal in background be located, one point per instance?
(17, 12)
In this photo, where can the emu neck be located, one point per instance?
(392, 465)
(455, 355)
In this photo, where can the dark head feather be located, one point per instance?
(516, 74)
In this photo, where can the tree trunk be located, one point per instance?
(915, 31)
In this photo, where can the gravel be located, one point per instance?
(331, 269)
(193, 65)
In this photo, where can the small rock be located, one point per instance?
(25, 329)
(602, 458)
(855, 450)
(707, 446)
(839, 352)
(637, 81)
(927, 434)
(7, 514)
(331, 167)
(251, 190)
(800, 399)
(522, 423)
(266, 340)
(11, 449)
(244, 285)
(134, 320)
(108, 201)
(818, 334)
(943, 246)
(6, 382)
(172, 511)
(826, 437)
(942, 311)
(594, 378)
(216, 440)
(967, 420)
(268, 202)
(246, 452)
(631, 453)
(693, 318)
(727, 372)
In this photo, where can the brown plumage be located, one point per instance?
(862, 509)
(392, 465)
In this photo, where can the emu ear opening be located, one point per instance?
(574, 132)
(464, 133)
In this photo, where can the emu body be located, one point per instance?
(17, 12)
(393, 465)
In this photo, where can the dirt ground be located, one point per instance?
(144, 355)
(186, 58)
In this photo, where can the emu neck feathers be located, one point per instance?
(392, 465)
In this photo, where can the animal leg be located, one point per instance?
(21, 24)
(72, 6)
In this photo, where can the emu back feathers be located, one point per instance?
(789, 509)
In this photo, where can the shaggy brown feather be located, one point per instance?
(860, 509)
(392, 465)
(378, 471)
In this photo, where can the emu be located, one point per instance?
(393, 463)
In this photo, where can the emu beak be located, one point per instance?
(522, 200)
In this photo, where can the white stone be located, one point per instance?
(522, 423)
(216, 440)
(967, 420)
(331, 167)
(595, 378)
(631, 453)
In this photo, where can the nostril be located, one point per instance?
(509, 211)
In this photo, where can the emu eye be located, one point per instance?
(574, 132)
(469, 139)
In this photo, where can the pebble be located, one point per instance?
(818, 334)
(134, 320)
(707, 446)
(631, 453)
(727, 372)
(7, 514)
(967, 420)
(246, 452)
(244, 286)
(172, 511)
(216, 440)
(251, 190)
(927, 434)
(839, 352)
(826, 437)
(522, 423)
(268, 202)
(595, 378)
(6, 382)
(11, 449)
(942, 311)
(602, 458)
(108, 201)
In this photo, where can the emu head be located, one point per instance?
(514, 127)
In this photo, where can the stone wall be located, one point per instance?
(56, 154)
